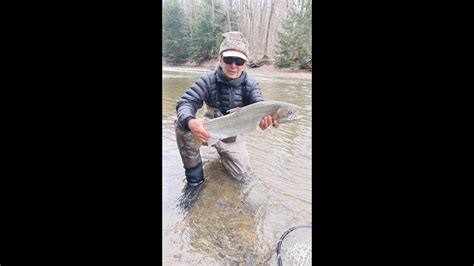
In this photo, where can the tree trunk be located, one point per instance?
(261, 23)
(213, 10)
(268, 27)
(228, 14)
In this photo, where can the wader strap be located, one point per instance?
(244, 92)
(218, 93)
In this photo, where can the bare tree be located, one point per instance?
(213, 12)
(258, 20)
(268, 27)
(228, 14)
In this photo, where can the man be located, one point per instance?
(227, 87)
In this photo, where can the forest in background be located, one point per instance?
(278, 31)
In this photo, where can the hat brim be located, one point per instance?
(235, 54)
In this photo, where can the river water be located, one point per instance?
(231, 222)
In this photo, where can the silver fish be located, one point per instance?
(246, 119)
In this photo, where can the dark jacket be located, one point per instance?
(219, 92)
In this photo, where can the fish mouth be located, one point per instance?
(296, 117)
(291, 118)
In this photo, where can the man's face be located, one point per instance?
(232, 70)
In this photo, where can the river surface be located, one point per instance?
(231, 222)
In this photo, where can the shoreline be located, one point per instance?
(265, 70)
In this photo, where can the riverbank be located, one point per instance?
(265, 70)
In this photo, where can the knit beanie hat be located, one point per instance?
(234, 44)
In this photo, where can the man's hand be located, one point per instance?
(267, 121)
(197, 128)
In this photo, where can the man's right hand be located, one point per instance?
(197, 128)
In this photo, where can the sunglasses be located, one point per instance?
(238, 61)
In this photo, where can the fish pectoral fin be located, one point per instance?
(212, 141)
(233, 110)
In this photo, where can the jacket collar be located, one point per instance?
(232, 82)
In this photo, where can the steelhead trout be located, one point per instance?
(246, 119)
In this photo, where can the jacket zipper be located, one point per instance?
(231, 98)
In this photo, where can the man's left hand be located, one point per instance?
(267, 121)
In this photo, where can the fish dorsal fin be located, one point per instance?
(233, 110)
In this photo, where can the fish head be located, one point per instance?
(287, 113)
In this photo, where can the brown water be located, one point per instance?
(233, 222)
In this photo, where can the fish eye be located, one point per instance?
(290, 111)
